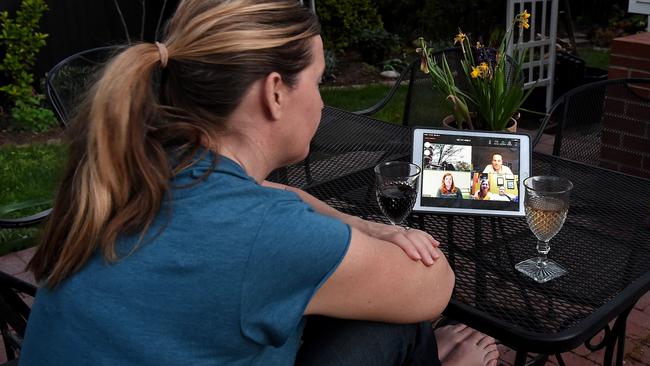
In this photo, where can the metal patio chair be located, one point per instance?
(14, 310)
(582, 115)
(67, 81)
(423, 105)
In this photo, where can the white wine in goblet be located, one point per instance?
(546, 204)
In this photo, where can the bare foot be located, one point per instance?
(448, 337)
(461, 345)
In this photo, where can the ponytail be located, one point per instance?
(153, 101)
(117, 176)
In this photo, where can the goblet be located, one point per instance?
(397, 186)
(546, 205)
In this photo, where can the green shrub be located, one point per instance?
(343, 18)
(619, 24)
(400, 17)
(29, 115)
(375, 45)
(21, 42)
(440, 19)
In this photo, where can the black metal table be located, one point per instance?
(604, 244)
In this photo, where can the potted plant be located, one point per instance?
(495, 93)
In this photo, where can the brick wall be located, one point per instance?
(626, 121)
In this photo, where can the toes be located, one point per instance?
(486, 341)
(458, 329)
(491, 358)
(476, 337)
(464, 332)
(452, 330)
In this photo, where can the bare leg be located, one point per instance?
(461, 345)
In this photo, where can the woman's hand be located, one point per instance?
(417, 244)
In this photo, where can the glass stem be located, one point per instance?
(542, 248)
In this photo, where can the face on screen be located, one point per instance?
(470, 172)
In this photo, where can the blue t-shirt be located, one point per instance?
(225, 282)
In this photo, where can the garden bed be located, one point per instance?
(8, 137)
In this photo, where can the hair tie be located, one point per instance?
(164, 55)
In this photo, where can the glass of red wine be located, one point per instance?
(397, 186)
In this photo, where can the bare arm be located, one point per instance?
(417, 244)
(376, 282)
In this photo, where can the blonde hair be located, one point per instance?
(138, 114)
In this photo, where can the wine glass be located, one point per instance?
(546, 204)
(397, 186)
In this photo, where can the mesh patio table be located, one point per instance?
(604, 244)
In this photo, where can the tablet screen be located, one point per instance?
(471, 172)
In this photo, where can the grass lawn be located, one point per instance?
(357, 98)
(28, 178)
(594, 58)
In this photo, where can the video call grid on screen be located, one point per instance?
(471, 172)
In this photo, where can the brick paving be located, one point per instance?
(14, 264)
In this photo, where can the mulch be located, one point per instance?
(353, 73)
(8, 137)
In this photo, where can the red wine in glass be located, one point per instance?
(397, 185)
(396, 201)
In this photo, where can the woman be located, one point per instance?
(166, 244)
(448, 189)
(483, 192)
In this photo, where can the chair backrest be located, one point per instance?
(14, 312)
(424, 105)
(67, 81)
(581, 115)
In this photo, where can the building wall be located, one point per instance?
(626, 122)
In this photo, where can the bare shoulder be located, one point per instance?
(377, 281)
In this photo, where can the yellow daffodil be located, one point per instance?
(483, 68)
(424, 65)
(460, 38)
(475, 72)
(496, 92)
(522, 18)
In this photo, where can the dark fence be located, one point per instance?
(75, 25)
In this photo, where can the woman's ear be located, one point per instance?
(274, 95)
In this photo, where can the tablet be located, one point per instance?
(471, 172)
